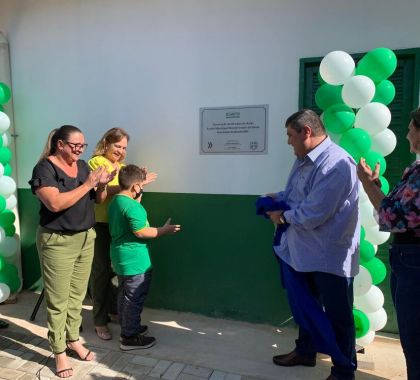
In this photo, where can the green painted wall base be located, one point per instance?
(220, 264)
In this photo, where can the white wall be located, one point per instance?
(148, 66)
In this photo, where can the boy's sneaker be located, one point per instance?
(143, 330)
(136, 342)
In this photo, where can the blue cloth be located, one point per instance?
(405, 291)
(264, 204)
(324, 231)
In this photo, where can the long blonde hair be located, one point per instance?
(63, 133)
(111, 136)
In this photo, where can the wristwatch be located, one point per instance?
(282, 220)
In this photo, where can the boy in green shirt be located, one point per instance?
(131, 233)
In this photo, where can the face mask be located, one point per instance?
(138, 194)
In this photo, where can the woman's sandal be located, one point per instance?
(103, 333)
(72, 352)
(58, 373)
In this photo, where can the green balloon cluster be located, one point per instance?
(5, 155)
(372, 158)
(9, 276)
(338, 118)
(367, 251)
(361, 323)
(328, 95)
(384, 92)
(5, 93)
(384, 185)
(356, 142)
(7, 218)
(376, 269)
(378, 64)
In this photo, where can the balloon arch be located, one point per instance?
(354, 102)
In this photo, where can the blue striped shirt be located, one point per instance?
(324, 232)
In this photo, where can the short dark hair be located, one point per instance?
(129, 175)
(306, 117)
(415, 117)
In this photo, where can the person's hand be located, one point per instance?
(169, 228)
(95, 176)
(365, 173)
(150, 177)
(107, 177)
(276, 216)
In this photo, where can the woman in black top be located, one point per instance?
(65, 237)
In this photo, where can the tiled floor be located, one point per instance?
(189, 347)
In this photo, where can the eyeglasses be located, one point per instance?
(76, 146)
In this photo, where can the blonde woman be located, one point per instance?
(109, 153)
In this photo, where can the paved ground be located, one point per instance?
(189, 347)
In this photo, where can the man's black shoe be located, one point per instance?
(293, 358)
(332, 377)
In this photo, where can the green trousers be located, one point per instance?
(66, 260)
(103, 292)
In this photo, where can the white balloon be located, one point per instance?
(358, 91)
(366, 339)
(373, 118)
(375, 236)
(377, 319)
(11, 202)
(336, 67)
(362, 282)
(4, 122)
(4, 292)
(1, 169)
(375, 247)
(367, 217)
(2, 234)
(9, 246)
(384, 142)
(371, 301)
(7, 138)
(7, 186)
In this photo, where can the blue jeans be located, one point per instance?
(335, 294)
(132, 292)
(405, 290)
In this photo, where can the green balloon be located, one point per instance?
(4, 93)
(361, 323)
(7, 218)
(384, 185)
(384, 93)
(376, 269)
(10, 230)
(1, 108)
(9, 276)
(2, 263)
(372, 158)
(7, 170)
(356, 142)
(327, 95)
(367, 251)
(2, 203)
(362, 233)
(320, 80)
(378, 64)
(339, 118)
(5, 155)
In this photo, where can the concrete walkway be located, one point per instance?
(189, 347)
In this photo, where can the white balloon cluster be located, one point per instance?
(354, 101)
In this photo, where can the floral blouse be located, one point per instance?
(400, 210)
